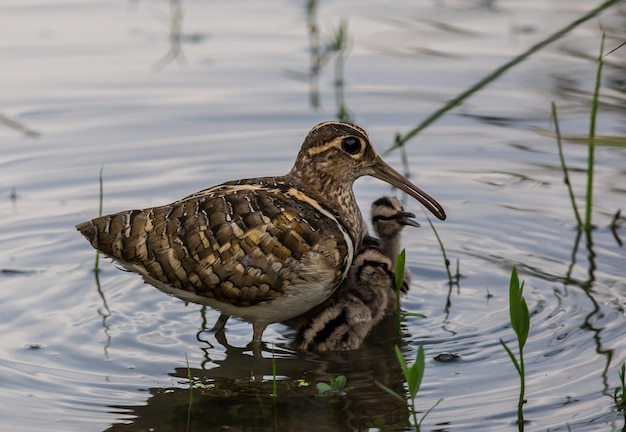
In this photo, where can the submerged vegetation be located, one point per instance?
(335, 387)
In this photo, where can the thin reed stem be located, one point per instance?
(190, 403)
(96, 266)
(566, 179)
(443, 252)
(499, 71)
(592, 137)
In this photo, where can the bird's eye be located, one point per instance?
(351, 145)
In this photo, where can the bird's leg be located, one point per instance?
(257, 332)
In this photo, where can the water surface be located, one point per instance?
(166, 110)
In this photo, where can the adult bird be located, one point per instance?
(262, 249)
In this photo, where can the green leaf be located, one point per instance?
(400, 262)
(322, 388)
(391, 392)
(413, 314)
(518, 309)
(402, 361)
(512, 357)
(338, 383)
(413, 374)
(522, 335)
(429, 410)
(417, 372)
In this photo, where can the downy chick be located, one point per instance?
(366, 295)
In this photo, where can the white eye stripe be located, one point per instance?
(322, 148)
(336, 143)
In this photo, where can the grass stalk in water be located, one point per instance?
(492, 76)
(339, 45)
(190, 378)
(96, 266)
(568, 183)
(520, 321)
(397, 287)
(586, 225)
(399, 273)
(274, 381)
(443, 253)
(592, 138)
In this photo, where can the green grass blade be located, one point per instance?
(443, 251)
(400, 263)
(190, 403)
(511, 356)
(274, 381)
(399, 281)
(429, 410)
(402, 361)
(592, 137)
(499, 71)
(391, 392)
(96, 265)
(559, 144)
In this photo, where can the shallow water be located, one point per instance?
(100, 85)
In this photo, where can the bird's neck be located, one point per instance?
(391, 247)
(335, 195)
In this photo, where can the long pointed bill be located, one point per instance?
(387, 174)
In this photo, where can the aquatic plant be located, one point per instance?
(592, 138)
(190, 379)
(335, 387)
(451, 280)
(566, 180)
(175, 23)
(413, 376)
(619, 395)
(274, 381)
(520, 321)
(397, 287)
(339, 45)
(96, 266)
(14, 124)
(398, 282)
(492, 76)
(591, 142)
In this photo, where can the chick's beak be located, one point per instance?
(406, 218)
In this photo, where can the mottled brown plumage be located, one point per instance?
(262, 249)
(343, 321)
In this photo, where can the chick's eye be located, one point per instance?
(351, 145)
